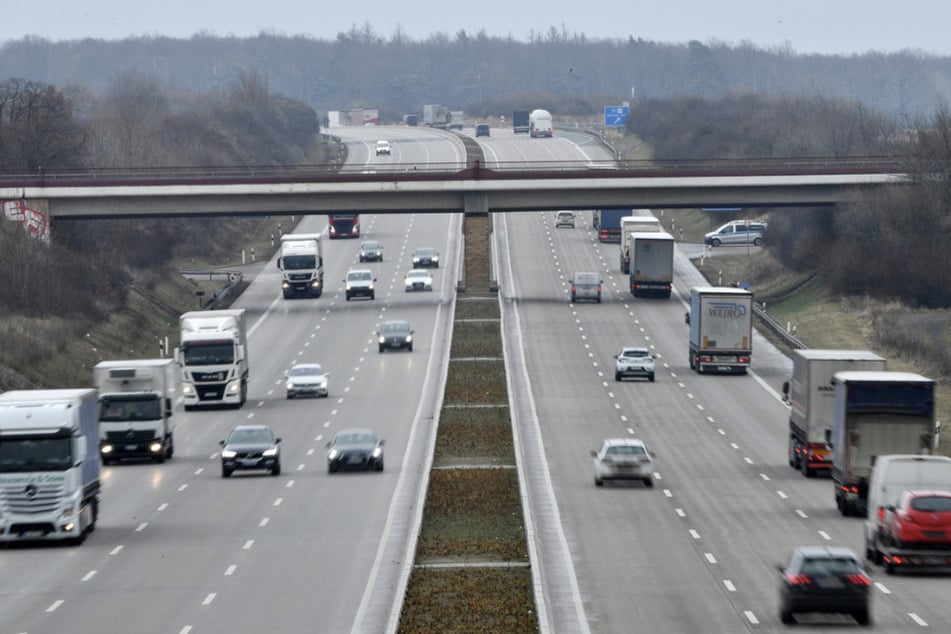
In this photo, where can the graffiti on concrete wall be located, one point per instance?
(34, 222)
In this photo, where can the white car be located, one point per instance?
(383, 147)
(418, 280)
(623, 459)
(359, 283)
(306, 379)
(634, 361)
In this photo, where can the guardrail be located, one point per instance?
(777, 329)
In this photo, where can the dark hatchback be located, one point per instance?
(250, 447)
(395, 334)
(355, 449)
(824, 579)
(425, 257)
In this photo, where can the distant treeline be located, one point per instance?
(571, 74)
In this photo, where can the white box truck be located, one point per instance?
(721, 329)
(137, 400)
(213, 357)
(436, 115)
(652, 264)
(301, 263)
(876, 414)
(810, 394)
(457, 119)
(49, 465)
(630, 224)
(892, 476)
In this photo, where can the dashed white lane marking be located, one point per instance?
(209, 598)
(310, 452)
(680, 512)
(182, 488)
(89, 575)
(163, 506)
(734, 445)
(230, 570)
(801, 514)
(141, 527)
(721, 432)
(694, 533)
(185, 630)
(729, 585)
(289, 484)
(748, 460)
(278, 501)
(881, 587)
(824, 535)
(764, 476)
(115, 551)
(300, 467)
(751, 617)
(668, 493)
(782, 495)
(54, 605)
(248, 544)
(264, 521)
(200, 469)
(710, 558)
(917, 619)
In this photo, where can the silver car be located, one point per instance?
(565, 219)
(306, 379)
(623, 459)
(586, 286)
(737, 232)
(634, 361)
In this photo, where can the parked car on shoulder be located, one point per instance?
(623, 459)
(634, 361)
(418, 280)
(249, 447)
(737, 232)
(824, 579)
(586, 286)
(565, 219)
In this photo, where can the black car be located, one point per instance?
(395, 334)
(425, 257)
(358, 449)
(250, 447)
(482, 129)
(824, 579)
(371, 251)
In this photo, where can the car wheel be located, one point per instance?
(649, 483)
(617, 376)
(225, 472)
(599, 299)
(409, 348)
(574, 299)
(598, 481)
(650, 377)
(331, 468)
(379, 465)
(786, 617)
(757, 242)
(863, 618)
(289, 396)
(348, 297)
(381, 349)
(276, 469)
(715, 242)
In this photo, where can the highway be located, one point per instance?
(179, 550)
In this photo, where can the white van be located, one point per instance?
(892, 476)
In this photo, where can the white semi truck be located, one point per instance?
(876, 414)
(49, 465)
(301, 263)
(652, 263)
(213, 357)
(137, 400)
(721, 329)
(811, 397)
(630, 224)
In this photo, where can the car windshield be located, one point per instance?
(829, 566)
(425, 252)
(586, 278)
(355, 439)
(371, 245)
(241, 436)
(635, 354)
(359, 276)
(626, 450)
(418, 274)
(395, 327)
(931, 503)
(309, 370)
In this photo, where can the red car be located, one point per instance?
(921, 517)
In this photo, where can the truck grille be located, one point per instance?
(299, 277)
(31, 498)
(130, 436)
(207, 377)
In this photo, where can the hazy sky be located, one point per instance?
(820, 26)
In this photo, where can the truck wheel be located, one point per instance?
(791, 454)
(889, 568)
(171, 446)
(804, 467)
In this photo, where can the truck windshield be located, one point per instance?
(208, 353)
(299, 262)
(35, 454)
(119, 408)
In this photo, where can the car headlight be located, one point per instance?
(435, 258)
(106, 449)
(409, 338)
(270, 452)
(348, 286)
(382, 339)
(228, 453)
(289, 386)
(332, 455)
(415, 260)
(377, 452)
(370, 287)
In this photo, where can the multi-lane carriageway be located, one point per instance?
(178, 549)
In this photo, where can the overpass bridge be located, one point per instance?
(511, 187)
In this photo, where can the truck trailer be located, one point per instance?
(607, 222)
(630, 224)
(213, 358)
(810, 394)
(540, 124)
(301, 263)
(49, 465)
(137, 400)
(721, 329)
(436, 116)
(652, 264)
(891, 477)
(520, 121)
(876, 414)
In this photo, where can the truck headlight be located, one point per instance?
(234, 388)
(106, 449)
(188, 389)
(155, 446)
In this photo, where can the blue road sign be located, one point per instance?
(615, 115)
